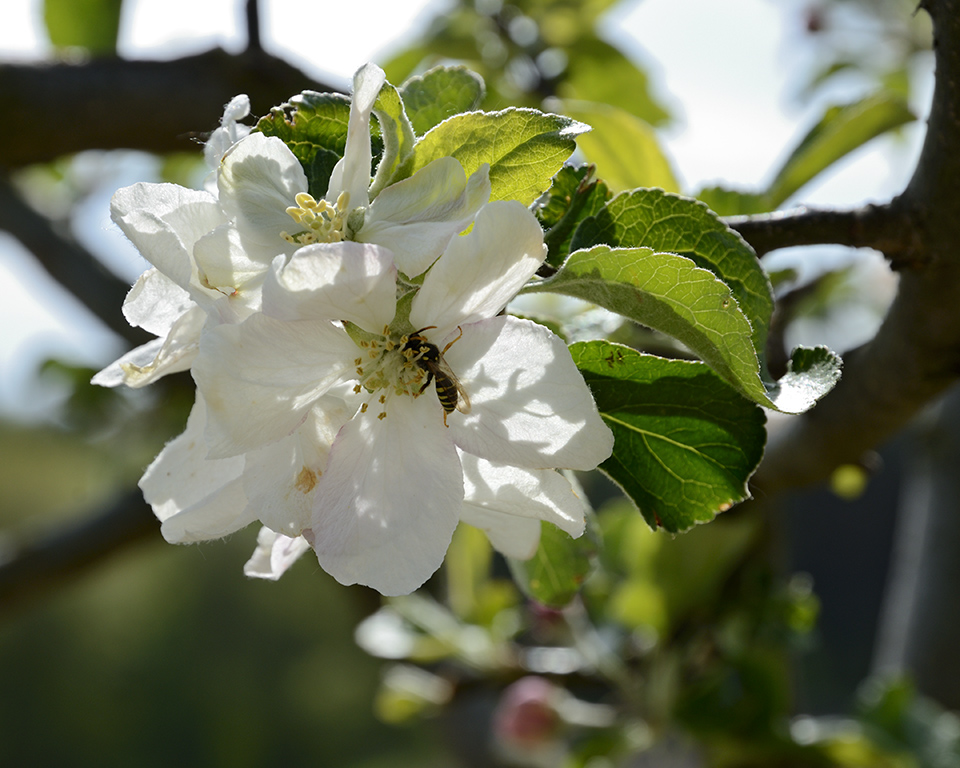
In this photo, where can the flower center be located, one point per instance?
(403, 365)
(321, 221)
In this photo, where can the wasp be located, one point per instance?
(429, 358)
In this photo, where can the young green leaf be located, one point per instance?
(811, 373)
(624, 147)
(840, 131)
(524, 148)
(669, 293)
(396, 132)
(685, 444)
(665, 222)
(440, 93)
(575, 195)
(554, 575)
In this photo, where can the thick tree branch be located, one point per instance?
(253, 26)
(158, 106)
(915, 355)
(38, 566)
(886, 228)
(69, 263)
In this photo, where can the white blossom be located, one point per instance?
(393, 488)
(264, 191)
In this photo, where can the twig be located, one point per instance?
(54, 559)
(886, 228)
(69, 263)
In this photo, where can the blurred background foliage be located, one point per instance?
(678, 651)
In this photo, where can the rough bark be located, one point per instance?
(54, 109)
(915, 356)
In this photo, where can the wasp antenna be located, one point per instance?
(459, 336)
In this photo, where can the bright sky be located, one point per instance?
(727, 76)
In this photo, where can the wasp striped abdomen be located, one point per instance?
(429, 359)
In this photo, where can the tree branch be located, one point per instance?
(69, 263)
(252, 12)
(49, 562)
(886, 228)
(915, 355)
(56, 109)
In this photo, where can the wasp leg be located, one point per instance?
(427, 382)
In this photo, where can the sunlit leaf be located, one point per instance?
(686, 443)
(624, 147)
(442, 92)
(811, 373)
(665, 222)
(840, 131)
(524, 148)
(669, 293)
(396, 133)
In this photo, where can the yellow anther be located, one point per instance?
(305, 200)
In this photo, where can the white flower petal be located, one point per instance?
(155, 359)
(352, 173)
(481, 271)
(416, 217)
(155, 303)
(261, 377)
(516, 537)
(334, 281)
(259, 179)
(234, 275)
(529, 404)
(389, 501)
(229, 133)
(274, 554)
(280, 480)
(507, 491)
(195, 499)
(164, 221)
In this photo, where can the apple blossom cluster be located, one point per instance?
(360, 390)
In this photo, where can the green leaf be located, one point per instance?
(601, 73)
(669, 293)
(440, 93)
(665, 222)
(732, 202)
(397, 135)
(524, 148)
(624, 147)
(574, 196)
(90, 24)
(811, 373)
(685, 444)
(840, 131)
(314, 126)
(554, 575)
